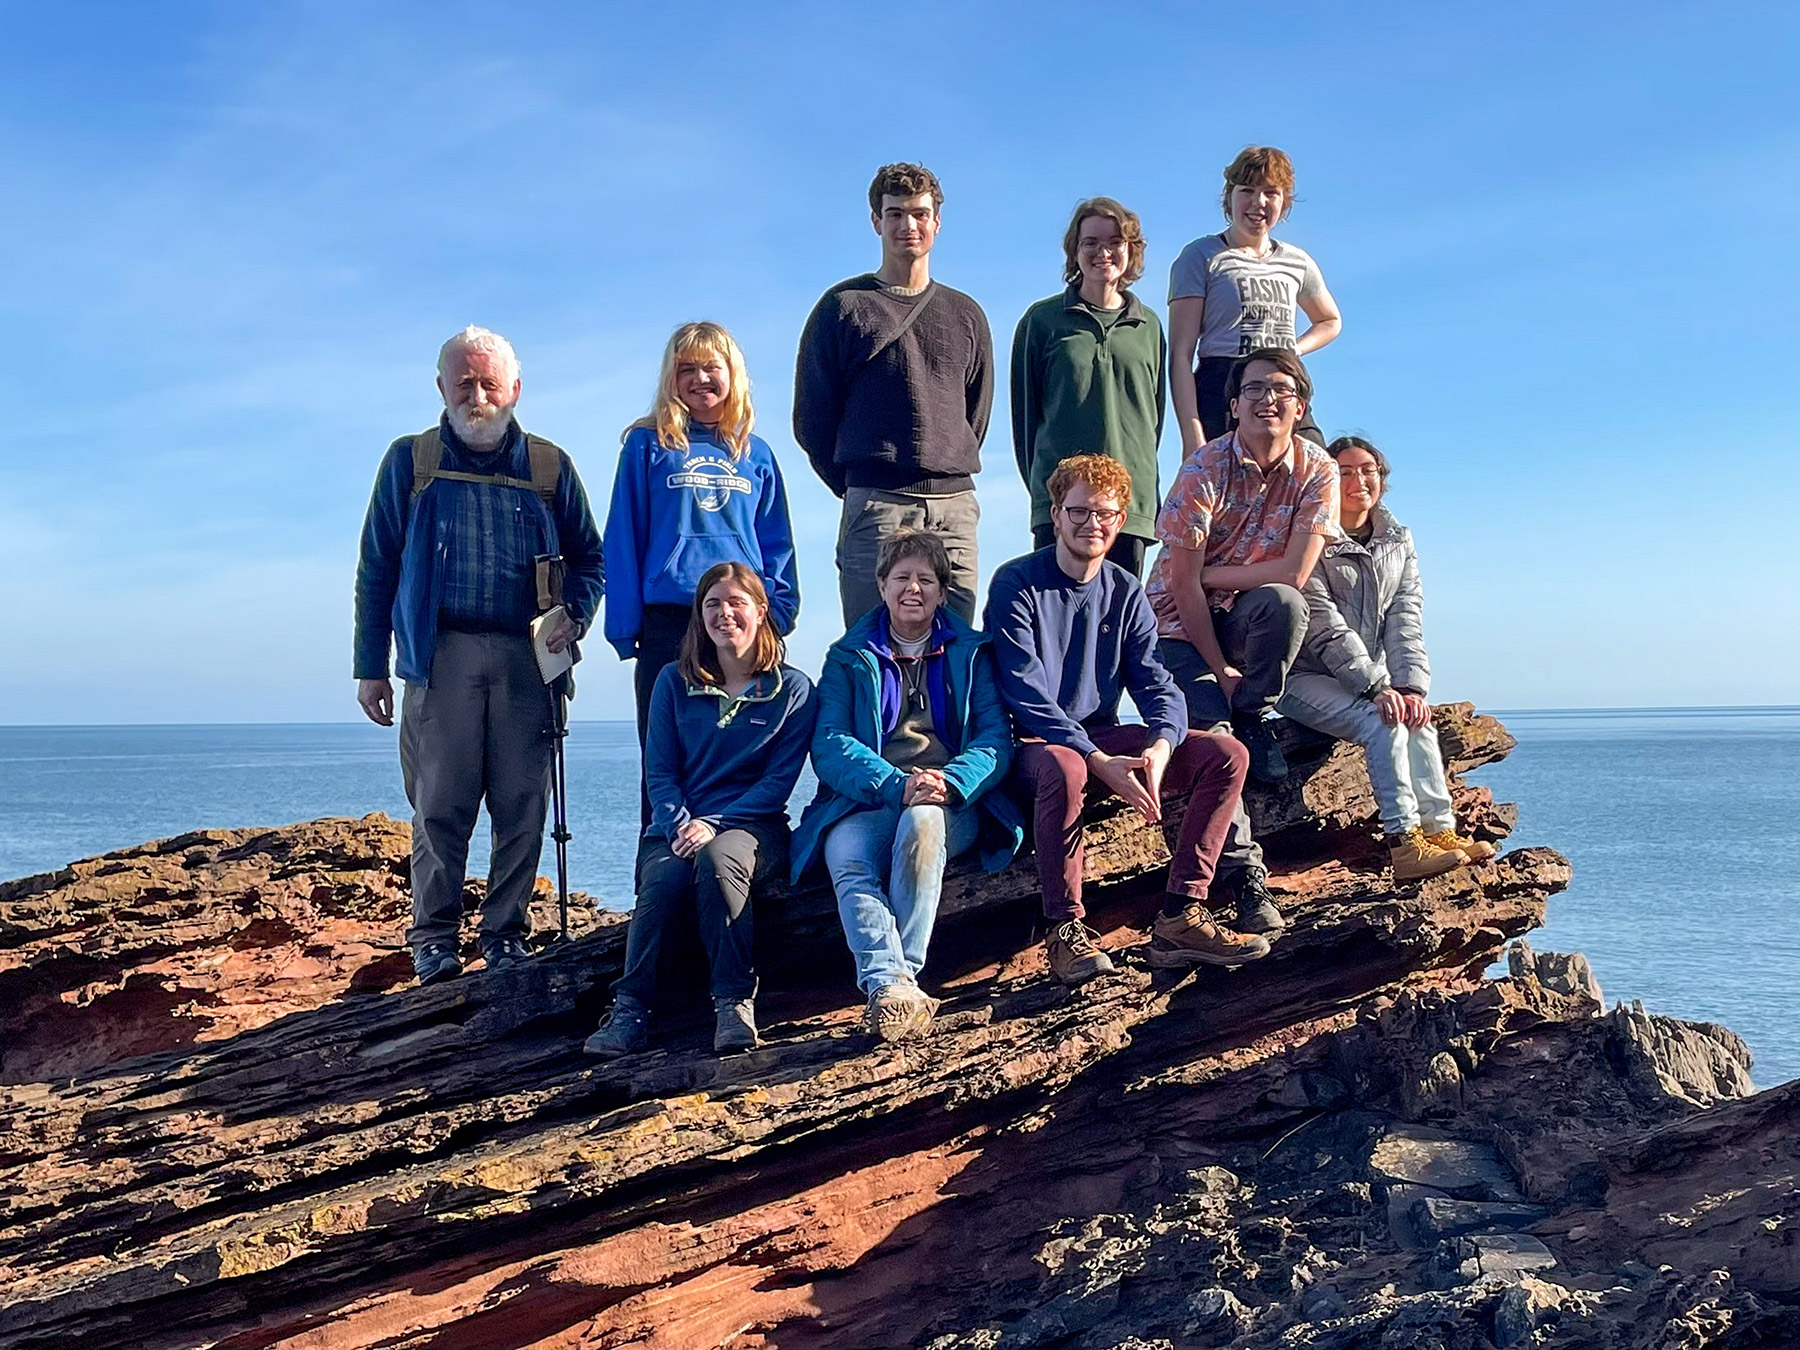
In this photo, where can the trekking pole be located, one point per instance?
(559, 799)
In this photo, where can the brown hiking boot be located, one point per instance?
(1415, 857)
(1193, 938)
(1074, 956)
(1475, 850)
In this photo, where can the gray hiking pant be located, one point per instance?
(872, 514)
(1207, 711)
(480, 731)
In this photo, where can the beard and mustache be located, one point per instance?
(481, 428)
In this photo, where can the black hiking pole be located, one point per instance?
(559, 798)
(549, 575)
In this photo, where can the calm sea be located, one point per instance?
(1683, 826)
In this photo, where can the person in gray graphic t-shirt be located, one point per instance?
(1234, 292)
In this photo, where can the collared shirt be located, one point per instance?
(1228, 507)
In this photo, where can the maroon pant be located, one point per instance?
(1206, 768)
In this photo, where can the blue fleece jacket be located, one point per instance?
(1068, 651)
(676, 513)
(858, 707)
(407, 543)
(727, 761)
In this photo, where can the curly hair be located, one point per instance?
(1260, 166)
(1103, 477)
(1131, 230)
(904, 180)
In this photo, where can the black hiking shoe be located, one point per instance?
(436, 961)
(1267, 763)
(1256, 912)
(504, 952)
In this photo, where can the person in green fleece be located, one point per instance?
(1089, 374)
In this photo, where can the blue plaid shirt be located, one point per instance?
(462, 554)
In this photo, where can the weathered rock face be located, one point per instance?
(314, 1156)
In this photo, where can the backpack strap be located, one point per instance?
(546, 466)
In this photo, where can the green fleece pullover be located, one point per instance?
(1082, 387)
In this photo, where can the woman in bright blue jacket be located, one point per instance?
(911, 741)
(694, 489)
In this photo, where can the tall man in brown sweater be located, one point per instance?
(892, 391)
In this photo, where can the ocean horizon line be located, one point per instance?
(1644, 710)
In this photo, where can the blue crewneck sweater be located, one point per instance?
(677, 512)
(1068, 651)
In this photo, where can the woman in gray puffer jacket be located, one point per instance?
(1362, 674)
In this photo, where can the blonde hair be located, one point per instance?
(668, 415)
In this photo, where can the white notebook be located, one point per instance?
(550, 664)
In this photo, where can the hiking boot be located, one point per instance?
(504, 952)
(1191, 938)
(1414, 857)
(436, 961)
(1074, 957)
(1475, 850)
(898, 1012)
(624, 1031)
(1256, 912)
(734, 1025)
(1267, 763)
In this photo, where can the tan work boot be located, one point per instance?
(1414, 857)
(1475, 850)
(1075, 958)
(898, 1012)
(1193, 938)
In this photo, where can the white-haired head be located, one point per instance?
(478, 375)
(473, 339)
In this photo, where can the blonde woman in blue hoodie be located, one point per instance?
(695, 488)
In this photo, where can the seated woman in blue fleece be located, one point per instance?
(730, 724)
(694, 488)
(911, 738)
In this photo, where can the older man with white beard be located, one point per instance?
(460, 515)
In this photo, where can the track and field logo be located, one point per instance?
(712, 480)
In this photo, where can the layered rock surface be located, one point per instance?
(224, 1120)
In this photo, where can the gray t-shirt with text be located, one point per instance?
(1250, 301)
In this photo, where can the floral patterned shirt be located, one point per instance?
(1224, 504)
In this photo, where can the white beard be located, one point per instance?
(481, 432)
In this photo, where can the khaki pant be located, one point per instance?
(479, 732)
(872, 514)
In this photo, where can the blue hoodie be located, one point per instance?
(676, 513)
(859, 705)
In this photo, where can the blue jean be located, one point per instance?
(1406, 770)
(889, 926)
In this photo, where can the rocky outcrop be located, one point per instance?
(1358, 1138)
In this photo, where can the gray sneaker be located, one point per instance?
(898, 1012)
(734, 1025)
(436, 961)
(624, 1031)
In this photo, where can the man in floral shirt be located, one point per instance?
(1244, 522)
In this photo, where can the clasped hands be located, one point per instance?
(925, 787)
(1135, 778)
(691, 838)
(1398, 709)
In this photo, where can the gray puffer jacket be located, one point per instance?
(1366, 625)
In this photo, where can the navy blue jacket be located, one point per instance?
(727, 761)
(405, 540)
(858, 708)
(1069, 651)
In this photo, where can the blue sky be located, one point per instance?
(1563, 239)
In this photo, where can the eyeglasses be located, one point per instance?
(1117, 250)
(1102, 516)
(1369, 471)
(1283, 394)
